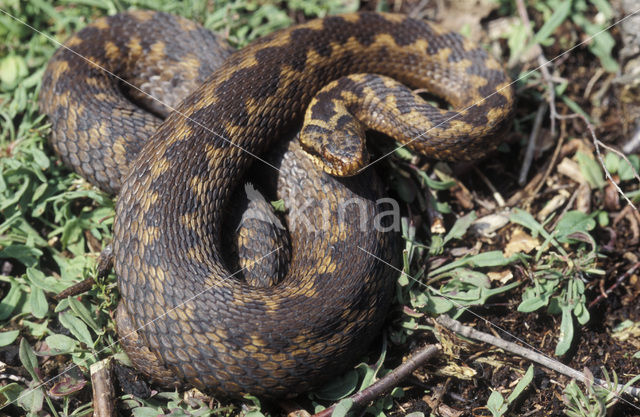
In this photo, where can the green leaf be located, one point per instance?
(339, 387)
(437, 245)
(59, 344)
(534, 303)
(591, 170)
(38, 303)
(486, 293)
(46, 283)
(278, 206)
(368, 374)
(574, 222)
(555, 306)
(522, 385)
(255, 401)
(397, 392)
(36, 329)
(603, 218)
(496, 404)
(84, 314)
(466, 277)
(10, 301)
(43, 162)
(26, 255)
(516, 41)
(147, 412)
(612, 162)
(342, 408)
(561, 88)
(602, 46)
(28, 359)
(7, 338)
(525, 219)
(582, 313)
(488, 259)
(557, 18)
(604, 7)
(460, 227)
(435, 184)
(369, 377)
(566, 331)
(624, 324)
(12, 69)
(472, 289)
(403, 153)
(76, 327)
(481, 260)
(601, 43)
(32, 399)
(575, 107)
(11, 393)
(434, 304)
(626, 171)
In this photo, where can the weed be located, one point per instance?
(558, 276)
(597, 399)
(497, 404)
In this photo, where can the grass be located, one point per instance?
(53, 224)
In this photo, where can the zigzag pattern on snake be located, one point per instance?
(197, 322)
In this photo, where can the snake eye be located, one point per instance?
(339, 144)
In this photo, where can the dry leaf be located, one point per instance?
(629, 334)
(552, 205)
(487, 226)
(570, 168)
(521, 242)
(501, 276)
(466, 15)
(457, 371)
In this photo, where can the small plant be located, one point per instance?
(559, 269)
(498, 406)
(597, 399)
(53, 224)
(463, 284)
(353, 381)
(555, 13)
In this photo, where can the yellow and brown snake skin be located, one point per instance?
(198, 322)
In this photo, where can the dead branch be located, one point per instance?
(529, 354)
(389, 381)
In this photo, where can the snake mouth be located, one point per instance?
(338, 166)
(341, 152)
(346, 167)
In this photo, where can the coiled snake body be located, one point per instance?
(196, 321)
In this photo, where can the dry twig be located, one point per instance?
(104, 396)
(597, 144)
(531, 146)
(619, 281)
(389, 381)
(529, 354)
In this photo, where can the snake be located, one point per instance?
(306, 94)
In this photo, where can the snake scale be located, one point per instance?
(184, 316)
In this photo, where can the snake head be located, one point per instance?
(339, 147)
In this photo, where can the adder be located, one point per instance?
(185, 316)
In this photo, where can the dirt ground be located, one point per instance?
(595, 345)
